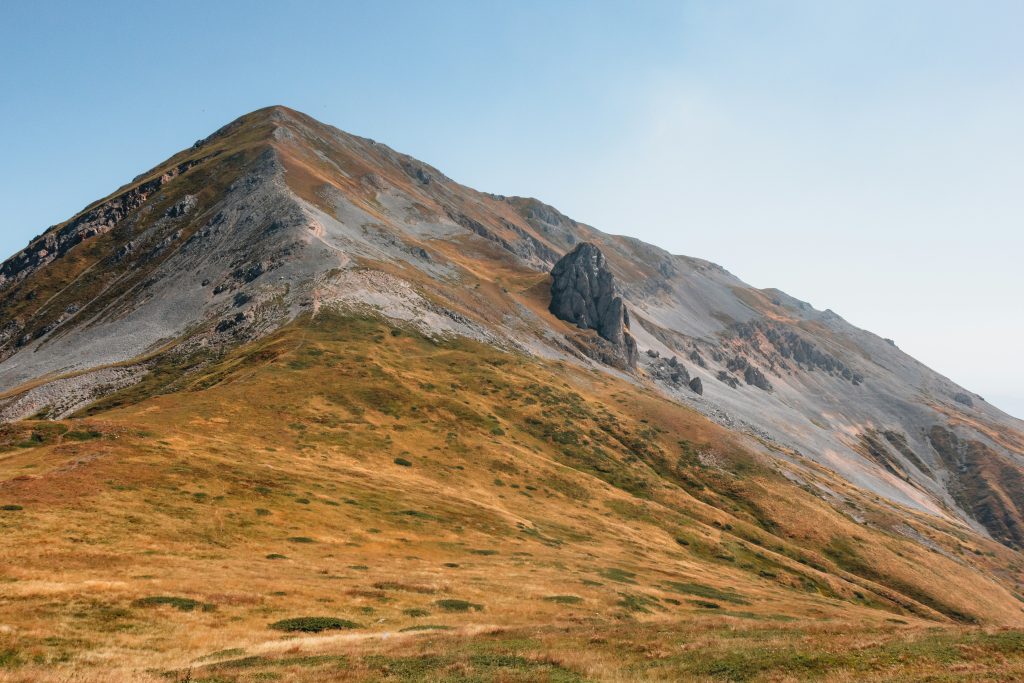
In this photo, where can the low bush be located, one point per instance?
(564, 599)
(181, 604)
(313, 624)
(452, 605)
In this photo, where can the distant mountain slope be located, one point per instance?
(277, 215)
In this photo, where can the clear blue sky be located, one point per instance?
(865, 156)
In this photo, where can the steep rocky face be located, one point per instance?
(583, 293)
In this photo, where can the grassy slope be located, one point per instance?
(532, 521)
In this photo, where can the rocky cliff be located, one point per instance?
(583, 293)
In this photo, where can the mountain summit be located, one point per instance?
(657, 387)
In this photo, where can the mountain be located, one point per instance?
(291, 371)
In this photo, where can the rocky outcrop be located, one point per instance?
(963, 399)
(57, 242)
(751, 375)
(984, 483)
(669, 371)
(781, 345)
(696, 386)
(583, 293)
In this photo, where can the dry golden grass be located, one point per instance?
(554, 524)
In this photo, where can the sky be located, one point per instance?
(867, 156)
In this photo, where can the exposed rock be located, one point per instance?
(696, 385)
(752, 375)
(58, 241)
(698, 359)
(670, 372)
(787, 344)
(984, 483)
(182, 207)
(724, 376)
(963, 399)
(583, 293)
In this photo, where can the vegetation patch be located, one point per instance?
(564, 599)
(180, 604)
(425, 627)
(616, 574)
(702, 591)
(313, 624)
(83, 435)
(453, 605)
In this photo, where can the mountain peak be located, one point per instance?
(277, 216)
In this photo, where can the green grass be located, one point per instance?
(313, 624)
(83, 435)
(180, 604)
(453, 605)
(703, 591)
(616, 574)
(564, 599)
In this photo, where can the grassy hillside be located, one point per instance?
(349, 500)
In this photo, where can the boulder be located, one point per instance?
(696, 386)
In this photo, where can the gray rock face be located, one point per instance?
(696, 385)
(583, 293)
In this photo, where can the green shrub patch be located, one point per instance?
(313, 624)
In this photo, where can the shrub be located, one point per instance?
(313, 624)
(11, 508)
(565, 599)
(451, 605)
(416, 612)
(276, 556)
(403, 462)
(706, 604)
(301, 539)
(181, 604)
(83, 435)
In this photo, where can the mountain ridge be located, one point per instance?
(308, 382)
(318, 184)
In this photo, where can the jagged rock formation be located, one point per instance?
(751, 374)
(696, 386)
(583, 293)
(780, 345)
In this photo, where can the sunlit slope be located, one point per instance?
(349, 468)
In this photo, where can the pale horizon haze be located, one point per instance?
(865, 157)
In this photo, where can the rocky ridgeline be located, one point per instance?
(583, 293)
(787, 346)
(100, 220)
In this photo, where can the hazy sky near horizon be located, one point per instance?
(866, 156)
